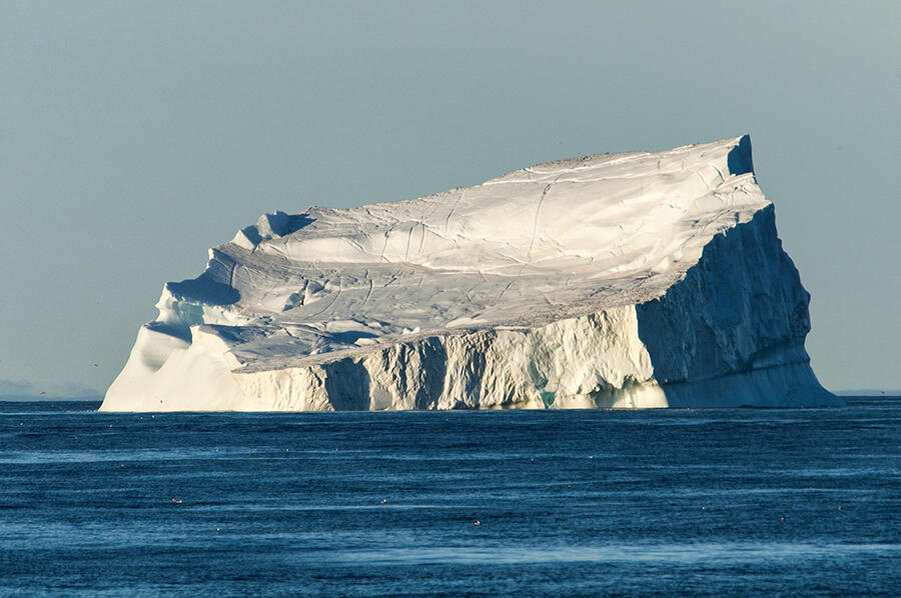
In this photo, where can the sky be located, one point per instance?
(134, 136)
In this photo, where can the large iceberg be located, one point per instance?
(616, 280)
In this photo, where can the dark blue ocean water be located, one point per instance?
(714, 502)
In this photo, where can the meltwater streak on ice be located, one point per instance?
(623, 280)
(665, 502)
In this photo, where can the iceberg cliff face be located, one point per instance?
(619, 280)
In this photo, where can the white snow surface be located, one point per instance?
(613, 280)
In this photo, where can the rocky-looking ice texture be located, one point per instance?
(619, 280)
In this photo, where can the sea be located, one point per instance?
(716, 502)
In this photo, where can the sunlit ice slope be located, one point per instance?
(615, 280)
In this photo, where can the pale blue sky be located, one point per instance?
(133, 136)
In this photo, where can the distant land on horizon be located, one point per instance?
(49, 399)
(22, 390)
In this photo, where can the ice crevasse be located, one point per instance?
(609, 281)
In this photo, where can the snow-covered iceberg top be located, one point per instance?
(589, 245)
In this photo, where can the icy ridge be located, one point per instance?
(629, 280)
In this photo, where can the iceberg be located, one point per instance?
(630, 280)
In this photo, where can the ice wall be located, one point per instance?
(626, 280)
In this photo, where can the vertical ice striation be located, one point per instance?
(618, 280)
